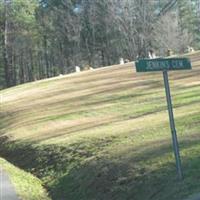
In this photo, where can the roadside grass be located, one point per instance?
(26, 185)
(104, 134)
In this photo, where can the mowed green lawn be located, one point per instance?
(104, 134)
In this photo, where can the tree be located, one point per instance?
(44, 38)
(188, 20)
(168, 35)
(18, 30)
(5, 41)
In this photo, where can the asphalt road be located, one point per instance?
(7, 191)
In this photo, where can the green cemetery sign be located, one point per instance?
(162, 64)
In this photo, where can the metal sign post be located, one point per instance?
(165, 65)
(172, 126)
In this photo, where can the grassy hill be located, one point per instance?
(104, 134)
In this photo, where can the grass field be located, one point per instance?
(104, 134)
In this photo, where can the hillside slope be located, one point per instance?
(104, 134)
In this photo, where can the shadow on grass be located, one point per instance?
(131, 179)
(86, 171)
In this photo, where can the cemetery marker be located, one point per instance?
(165, 65)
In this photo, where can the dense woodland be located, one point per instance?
(45, 38)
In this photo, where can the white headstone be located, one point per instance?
(190, 49)
(77, 68)
(152, 55)
(121, 61)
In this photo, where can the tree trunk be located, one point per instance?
(46, 57)
(6, 56)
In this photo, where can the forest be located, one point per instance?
(45, 38)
